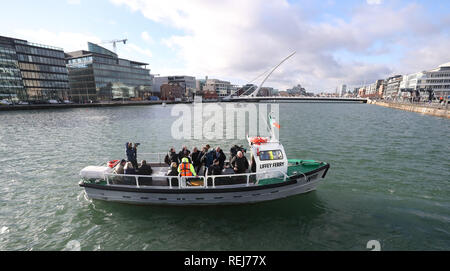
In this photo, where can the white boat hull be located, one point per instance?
(204, 196)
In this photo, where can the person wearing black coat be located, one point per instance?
(196, 157)
(215, 168)
(171, 157)
(132, 153)
(239, 163)
(184, 153)
(145, 169)
(220, 156)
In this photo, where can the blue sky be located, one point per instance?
(337, 42)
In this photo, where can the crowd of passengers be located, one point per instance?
(187, 163)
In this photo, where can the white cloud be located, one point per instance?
(241, 39)
(146, 37)
(374, 2)
(69, 41)
(133, 47)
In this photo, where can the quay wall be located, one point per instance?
(432, 111)
(62, 106)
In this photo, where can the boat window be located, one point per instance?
(270, 155)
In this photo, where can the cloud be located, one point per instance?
(69, 41)
(240, 39)
(374, 2)
(146, 37)
(137, 49)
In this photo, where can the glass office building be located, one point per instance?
(32, 72)
(100, 75)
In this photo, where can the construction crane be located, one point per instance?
(114, 43)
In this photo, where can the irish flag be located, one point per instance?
(273, 122)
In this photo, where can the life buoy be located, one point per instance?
(113, 163)
(258, 140)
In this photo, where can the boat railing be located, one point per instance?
(207, 181)
(158, 157)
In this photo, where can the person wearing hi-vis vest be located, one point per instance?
(186, 168)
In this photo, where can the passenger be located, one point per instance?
(186, 155)
(219, 155)
(196, 156)
(173, 171)
(186, 168)
(234, 150)
(207, 158)
(183, 153)
(129, 169)
(145, 169)
(239, 163)
(119, 168)
(132, 153)
(171, 157)
(215, 169)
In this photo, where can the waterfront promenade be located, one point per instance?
(433, 109)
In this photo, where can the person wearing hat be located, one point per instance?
(185, 168)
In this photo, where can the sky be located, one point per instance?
(352, 42)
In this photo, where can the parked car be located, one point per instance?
(53, 102)
(68, 102)
(23, 103)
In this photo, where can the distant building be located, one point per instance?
(343, 90)
(32, 72)
(362, 92)
(411, 84)
(297, 90)
(373, 90)
(222, 88)
(172, 91)
(99, 74)
(437, 80)
(265, 92)
(393, 87)
(209, 95)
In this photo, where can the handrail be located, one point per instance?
(182, 179)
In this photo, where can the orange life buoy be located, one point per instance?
(258, 140)
(113, 163)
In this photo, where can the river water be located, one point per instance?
(389, 181)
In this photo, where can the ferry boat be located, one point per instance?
(271, 175)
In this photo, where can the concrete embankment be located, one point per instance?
(433, 111)
(62, 106)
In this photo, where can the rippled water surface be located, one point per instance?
(389, 181)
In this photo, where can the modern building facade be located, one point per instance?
(222, 88)
(32, 72)
(100, 75)
(393, 86)
(437, 80)
(187, 82)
